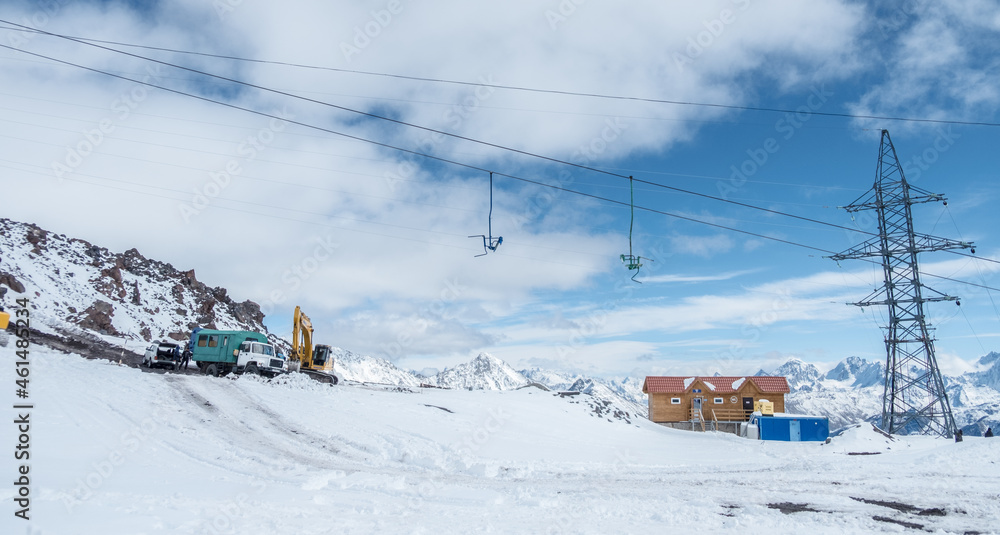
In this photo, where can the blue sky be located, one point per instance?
(372, 242)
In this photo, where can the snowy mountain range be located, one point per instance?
(83, 292)
(852, 392)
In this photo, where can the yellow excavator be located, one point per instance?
(318, 362)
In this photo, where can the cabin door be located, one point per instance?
(795, 431)
(747, 406)
(696, 404)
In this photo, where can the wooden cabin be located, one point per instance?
(720, 399)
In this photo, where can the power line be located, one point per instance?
(442, 159)
(449, 134)
(305, 212)
(517, 88)
(417, 153)
(457, 136)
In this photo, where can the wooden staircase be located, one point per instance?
(697, 417)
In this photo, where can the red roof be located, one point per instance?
(719, 384)
(770, 384)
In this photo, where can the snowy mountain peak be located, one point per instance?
(485, 372)
(367, 369)
(800, 375)
(858, 371)
(990, 359)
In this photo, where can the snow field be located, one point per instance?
(120, 450)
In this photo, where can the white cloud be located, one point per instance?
(938, 64)
(697, 278)
(369, 239)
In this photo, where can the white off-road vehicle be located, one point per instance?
(162, 354)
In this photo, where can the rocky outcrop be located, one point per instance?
(8, 280)
(97, 317)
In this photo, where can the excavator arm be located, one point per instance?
(302, 326)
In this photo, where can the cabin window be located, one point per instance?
(225, 340)
(719, 401)
(675, 401)
(203, 340)
(213, 340)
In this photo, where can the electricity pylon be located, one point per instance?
(914, 399)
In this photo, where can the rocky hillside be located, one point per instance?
(75, 284)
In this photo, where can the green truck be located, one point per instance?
(221, 352)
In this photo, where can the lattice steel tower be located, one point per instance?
(914, 399)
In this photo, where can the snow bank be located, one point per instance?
(119, 450)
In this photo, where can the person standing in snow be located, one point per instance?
(989, 432)
(185, 356)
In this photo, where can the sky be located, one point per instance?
(344, 170)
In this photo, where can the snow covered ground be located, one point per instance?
(120, 450)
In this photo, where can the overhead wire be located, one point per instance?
(449, 134)
(439, 158)
(441, 132)
(405, 150)
(305, 212)
(20, 27)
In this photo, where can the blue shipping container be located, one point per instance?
(794, 428)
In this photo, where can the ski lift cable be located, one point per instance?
(272, 215)
(971, 328)
(407, 151)
(979, 268)
(433, 130)
(91, 42)
(438, 158)
(465, 138)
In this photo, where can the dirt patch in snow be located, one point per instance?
(904, 507)
(789, 508)
(90, 347)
